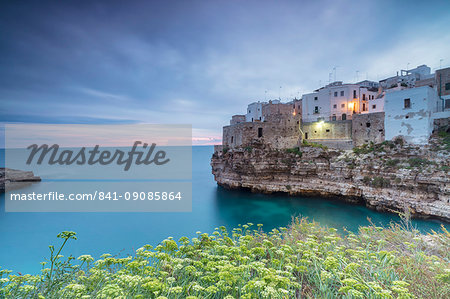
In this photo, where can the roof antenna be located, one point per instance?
(334, 69)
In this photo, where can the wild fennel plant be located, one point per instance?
(304, 260)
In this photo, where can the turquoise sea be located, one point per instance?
(24, 237)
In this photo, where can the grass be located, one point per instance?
(295, 151)
(419, 162)
(445, 139)
(313, 144)
(304, 260)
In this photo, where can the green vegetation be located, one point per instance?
(248, 149)
(377, 182)
(392, 162)
(313, 144)
(380, 182)
(372, 147)
(445, 136)
(225, 150)
(302, 261)
(294, 150)
(419, 162)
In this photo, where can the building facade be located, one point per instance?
(338, 101)
(409, 113)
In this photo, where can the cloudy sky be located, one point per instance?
(199, 62)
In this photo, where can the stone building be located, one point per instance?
(336, 134)
(338, 115)
(443, 87)
(237, 119)
(274, 123)
(368, 128)
(281, 132)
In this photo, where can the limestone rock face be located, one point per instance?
(386, 177)
(13, 179)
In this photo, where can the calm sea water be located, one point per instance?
(24, 237)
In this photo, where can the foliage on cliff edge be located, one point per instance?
(304, 260)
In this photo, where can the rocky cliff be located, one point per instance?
(390, 176)
(11, 179)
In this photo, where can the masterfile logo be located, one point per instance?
(140, 168)
(94, 156)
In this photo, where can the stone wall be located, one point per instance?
(442, 78)
(281, 132)
(272, 109)
(236, 119)
(441, 123)
(327, 130)
(368, 127)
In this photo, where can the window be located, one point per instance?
(368, 125)
(249, 111)
(374, 106)
(364, 96)
(407, 103)
(447, 86)
(316, 109)
(335, 94)
(232, 139)
(342, 105)
(364, 107)
(334, 106)
(354, 94)
(333, 118)
(316, 98)
(260, 132)
(342, 93)
(344, 116)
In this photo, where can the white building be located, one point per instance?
(407, 78)
(377, 104)
(338, 101)
(410, 113)
(254, 112)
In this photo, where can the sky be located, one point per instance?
(199, 62)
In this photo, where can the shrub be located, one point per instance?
(392, 162)
(305, 260)
(248, 149)
(380, 182)
(399, 140)
(313, 144)
(363, 149)
(294, 150)
(419, 162)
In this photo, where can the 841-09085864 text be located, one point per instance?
(99, 195)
